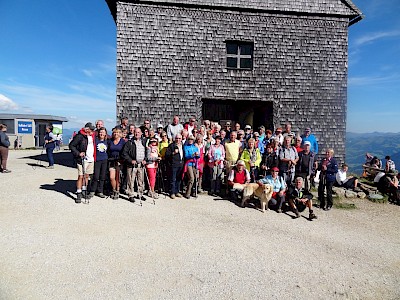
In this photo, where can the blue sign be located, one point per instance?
(25, 127)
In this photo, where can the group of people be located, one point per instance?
(187, 159)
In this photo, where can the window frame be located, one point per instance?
(239, 56)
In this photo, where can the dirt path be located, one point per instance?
(52, 248)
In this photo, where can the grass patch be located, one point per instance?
(345, 205)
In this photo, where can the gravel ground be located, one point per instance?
(52, 248)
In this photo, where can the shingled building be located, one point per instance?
(254, 61)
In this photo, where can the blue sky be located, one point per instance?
(59, 58)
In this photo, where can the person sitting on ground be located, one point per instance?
(83, 148)
(279, 189)
(376, 163)
(239, 175)
(347, 182)
(300, 198)
(390, 167)
(252, 158)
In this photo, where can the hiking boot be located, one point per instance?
(179, 195)
(6, 171)
(187, 196)
(131, 199)
(100, 195)
(279, 210)
(49, 167)
(78, 198)
(90, 195)
(142, 198)
(172, 196)
(312, 216)
(357, 189)
(297, 213)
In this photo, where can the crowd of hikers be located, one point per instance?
(183, 160)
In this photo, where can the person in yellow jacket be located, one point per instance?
(252, 158)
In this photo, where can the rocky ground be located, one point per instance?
(205, 248)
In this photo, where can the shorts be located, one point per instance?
(89, 167)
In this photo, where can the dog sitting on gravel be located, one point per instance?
(262, 191)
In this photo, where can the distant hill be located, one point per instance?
(377, 143)
(67, 134)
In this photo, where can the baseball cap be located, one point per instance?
(247, 127)
(275, 169)
(307, 143)
(90, 126)
(160, 126)
(228, 124)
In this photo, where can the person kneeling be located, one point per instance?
(279, 189)
(236, 180)
(300, 198)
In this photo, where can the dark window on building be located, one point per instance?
(10, 125)
(239, 55)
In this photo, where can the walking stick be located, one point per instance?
(84, 183)
(136, 180)
(148, 182)
(195, 178)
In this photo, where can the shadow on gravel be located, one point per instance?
(63, 158)
(62, 186)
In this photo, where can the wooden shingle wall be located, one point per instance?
(169, 58)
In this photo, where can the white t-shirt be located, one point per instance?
(341, 176)
(90, 150)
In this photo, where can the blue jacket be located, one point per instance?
(188, 153)
(331, 169)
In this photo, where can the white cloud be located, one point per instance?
(371, 80)
(7, 104)
(371, 37)
(88, 73)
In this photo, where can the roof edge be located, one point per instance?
(112, 5)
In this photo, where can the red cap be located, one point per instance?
(275, 169)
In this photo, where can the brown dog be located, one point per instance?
(262, 192)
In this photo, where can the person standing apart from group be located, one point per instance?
(4, 145)
(49, 144)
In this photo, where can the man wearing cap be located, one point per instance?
(278, 136)
(278, 186)
(238, 174)
(307, 165)
(307, 136)
(134, 154)
(247, 132)
(83, 148)
(159, 132)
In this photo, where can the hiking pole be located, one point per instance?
(195, 178)
(84, 183)
(160, 180)
(136, 180)
(148, 182)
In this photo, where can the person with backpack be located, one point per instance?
(288, 158)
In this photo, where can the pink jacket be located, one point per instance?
(216, 154)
